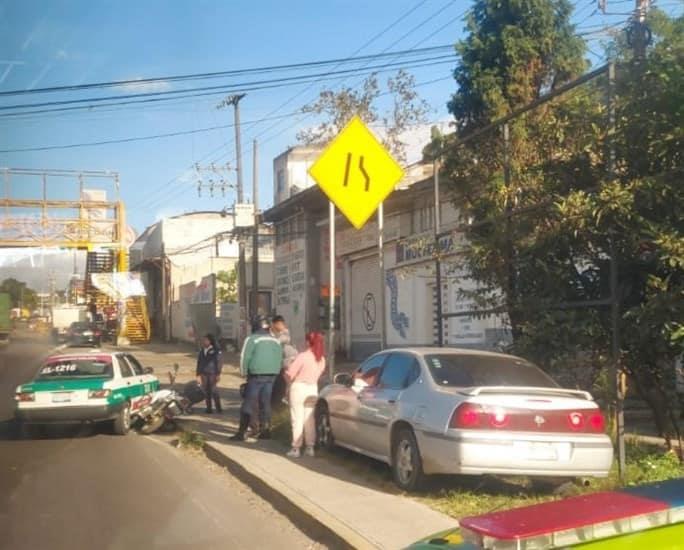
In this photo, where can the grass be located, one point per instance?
(460, 496)
(191, 440)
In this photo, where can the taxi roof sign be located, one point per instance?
(356, 172)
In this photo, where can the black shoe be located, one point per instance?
(238, 437)
(265, 435)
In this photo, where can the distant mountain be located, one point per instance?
(36, 267)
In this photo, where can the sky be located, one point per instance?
(47, 43)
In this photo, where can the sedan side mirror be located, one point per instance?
(148, 370)
(343, 378)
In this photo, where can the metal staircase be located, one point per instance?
(137, 320)
(98, 262)
(135, 324)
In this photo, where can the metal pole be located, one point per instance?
(242, 264)
(615, 361)
(616, 374)
(381, 267)
(238, 147)
(255, 237)
(438, 261)
(331, 300)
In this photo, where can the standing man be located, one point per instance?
(208, 372)
(260, 361)
(280, 331)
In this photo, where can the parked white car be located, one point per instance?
(458, 411)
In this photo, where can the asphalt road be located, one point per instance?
(84, 488)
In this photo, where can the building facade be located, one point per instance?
(406, 286)
(180, 258)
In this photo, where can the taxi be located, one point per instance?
(95, 386)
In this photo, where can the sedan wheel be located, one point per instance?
(407, 465)
(324, 435)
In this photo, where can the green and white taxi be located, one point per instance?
(92, 386)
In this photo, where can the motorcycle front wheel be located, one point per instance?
(152, 425)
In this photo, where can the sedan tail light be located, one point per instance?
(25, 396)
(99, 394)
(469, 416)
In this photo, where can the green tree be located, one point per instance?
(226, 286)
(20, 294)
(338, 107)
(543, 234)
(515, 51)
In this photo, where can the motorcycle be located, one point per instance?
(164, 406)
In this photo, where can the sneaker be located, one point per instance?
(310, 451)
(238, 437)
(294, 452)
(209, 411)
(265, 435)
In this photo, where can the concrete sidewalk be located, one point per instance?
(360, 514)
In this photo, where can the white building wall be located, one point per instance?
(291, 172)
(290, 290)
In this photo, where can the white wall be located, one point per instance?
(290, 170)
(291, 284)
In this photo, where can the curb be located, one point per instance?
(317, 523)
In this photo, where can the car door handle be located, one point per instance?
(392, 401)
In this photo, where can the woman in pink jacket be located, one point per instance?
(303, 374)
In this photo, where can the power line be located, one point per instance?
(222, 74)
(214, 90)
(298, 94)
(405, 35)
(178, 192)
(421, 63)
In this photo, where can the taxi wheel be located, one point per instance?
(122, 423)
(407, 465)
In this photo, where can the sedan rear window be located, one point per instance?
(469, 371)
(76, 368)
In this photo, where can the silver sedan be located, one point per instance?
(457, 411)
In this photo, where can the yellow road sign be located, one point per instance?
(356, 172)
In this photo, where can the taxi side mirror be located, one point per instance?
(148, 370)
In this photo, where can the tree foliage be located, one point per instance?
(337, 107)
(543, 233)
(226, 286)
(20, 294)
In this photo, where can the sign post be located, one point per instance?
(332, 298)
(357, 174)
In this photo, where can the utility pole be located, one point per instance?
(234, 100)
(639, 35)
(438, 260)
(255, 237)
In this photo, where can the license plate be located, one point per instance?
(62, 397)
(536, 451)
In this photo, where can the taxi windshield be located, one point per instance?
(76, 368)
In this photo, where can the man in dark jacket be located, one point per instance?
(209, 371)
(260, 361)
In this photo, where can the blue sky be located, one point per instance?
(60, 42)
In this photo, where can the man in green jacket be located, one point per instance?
(260, 361)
